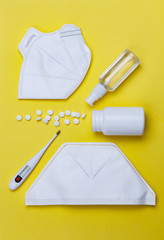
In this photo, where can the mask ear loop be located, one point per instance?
(27, 40)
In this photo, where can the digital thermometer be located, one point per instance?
(25, 171)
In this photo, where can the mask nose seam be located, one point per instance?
(42, 50)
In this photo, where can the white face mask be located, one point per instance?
(89, 173)
(54, 64)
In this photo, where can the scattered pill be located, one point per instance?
(62, 114)
(56, 123)
(83, 116)
(38, 112)
(48, 117)
(28, 117)
(76, 121)
(38, 118)
(19, 118)
(67, 121)
(50, 112)
(56, 118)
(78, 115)
(45, 120)
(67, 113)
(73, 114)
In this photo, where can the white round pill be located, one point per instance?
(67, 113)
(83, 116)
(67, 121)
(38, 118)
(27, 117)
(38, 112)
(56, 123)
(56, 118)
(76, 121)
(73, 114)
(45, 120)
(48, 117)
(50, 112)
(19, 118)
(62, 114)
(78, 115)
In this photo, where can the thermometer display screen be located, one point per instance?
(24, 171)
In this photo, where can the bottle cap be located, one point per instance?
(98, 92)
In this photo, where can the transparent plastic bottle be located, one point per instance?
(114, 75)
(119, 121)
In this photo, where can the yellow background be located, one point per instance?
(109, 27)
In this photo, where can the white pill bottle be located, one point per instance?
(119, 121)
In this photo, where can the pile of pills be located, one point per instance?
(56, 118)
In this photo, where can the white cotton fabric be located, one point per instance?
(54, 64)
(89, 174)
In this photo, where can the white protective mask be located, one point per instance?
(89, 173)
(54, 64)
